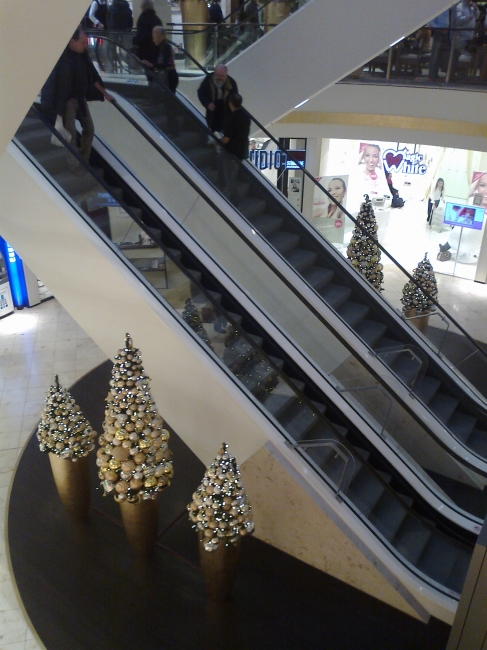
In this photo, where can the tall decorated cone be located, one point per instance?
(66, 435)
(417, 305)
(134, 459)
(221, 514)
(362, 251)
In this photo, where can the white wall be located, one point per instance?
(107, 301)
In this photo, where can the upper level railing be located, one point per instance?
(452, 57)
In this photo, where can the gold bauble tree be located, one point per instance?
(63, 429)
(134, 458)
(363, 251)
(220, 510)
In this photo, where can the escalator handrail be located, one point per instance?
(353, 219)
(455, 542)
(218, 308)
(330, 197)
(480, 409)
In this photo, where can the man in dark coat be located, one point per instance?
(164, 71)
(235, 143)
(148, 19)
(215, 14)
(73, 82)
(213, 93)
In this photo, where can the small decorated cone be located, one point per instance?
(140, 524)
(415, 301)
(134, 459)
(221, 515)
(66, 435)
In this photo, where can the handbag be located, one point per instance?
(63, 132)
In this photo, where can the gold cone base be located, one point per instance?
(140, 523)
(420, 323)
(219, 569)
(73, 485)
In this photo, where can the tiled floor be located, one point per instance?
(35, 344)
(39, 342)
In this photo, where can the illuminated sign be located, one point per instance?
(401, 161)
(277, 159)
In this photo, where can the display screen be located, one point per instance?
(467, 216)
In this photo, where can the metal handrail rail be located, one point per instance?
(343, 209)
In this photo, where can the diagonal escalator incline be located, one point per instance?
(369, 320)
(431, 548)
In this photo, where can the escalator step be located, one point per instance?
(276, 404)
(267, 224)
(318, 277)
(200, 155)
(187, 140)
(388, 349)
(365, 490)
(335, 295)
(426, 387)
(259, 376)
(200, 298)
(370, 331)
(284, 242)
(301, 259)
(438, 559)
(411, 538)
(478, 442)
(54, 160)
(406, 368)
(388, 515)
(239, 353)
(462, 425)
(251, 207)
(298, 419)
(353, 313)
(36, 140)
(28, 124)
(458, 573)
(73, 184)
(443, 406)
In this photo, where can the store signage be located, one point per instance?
(401, 161)
(277, 159)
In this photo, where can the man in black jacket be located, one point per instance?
(235, 142)
(213, 93)
(73, 82)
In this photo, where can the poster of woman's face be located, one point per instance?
(370, 156)
(478, 190)
(328, 218)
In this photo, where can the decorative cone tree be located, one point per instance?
(63, 429)
(416, 303)
(413, 298)
(220, 510)
(134, 459)
(193, 318)
(363, 251)
(67, 436)
(221, 514)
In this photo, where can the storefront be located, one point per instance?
(453, 237)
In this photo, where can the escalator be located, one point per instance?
(432, 550)
(434, 392)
